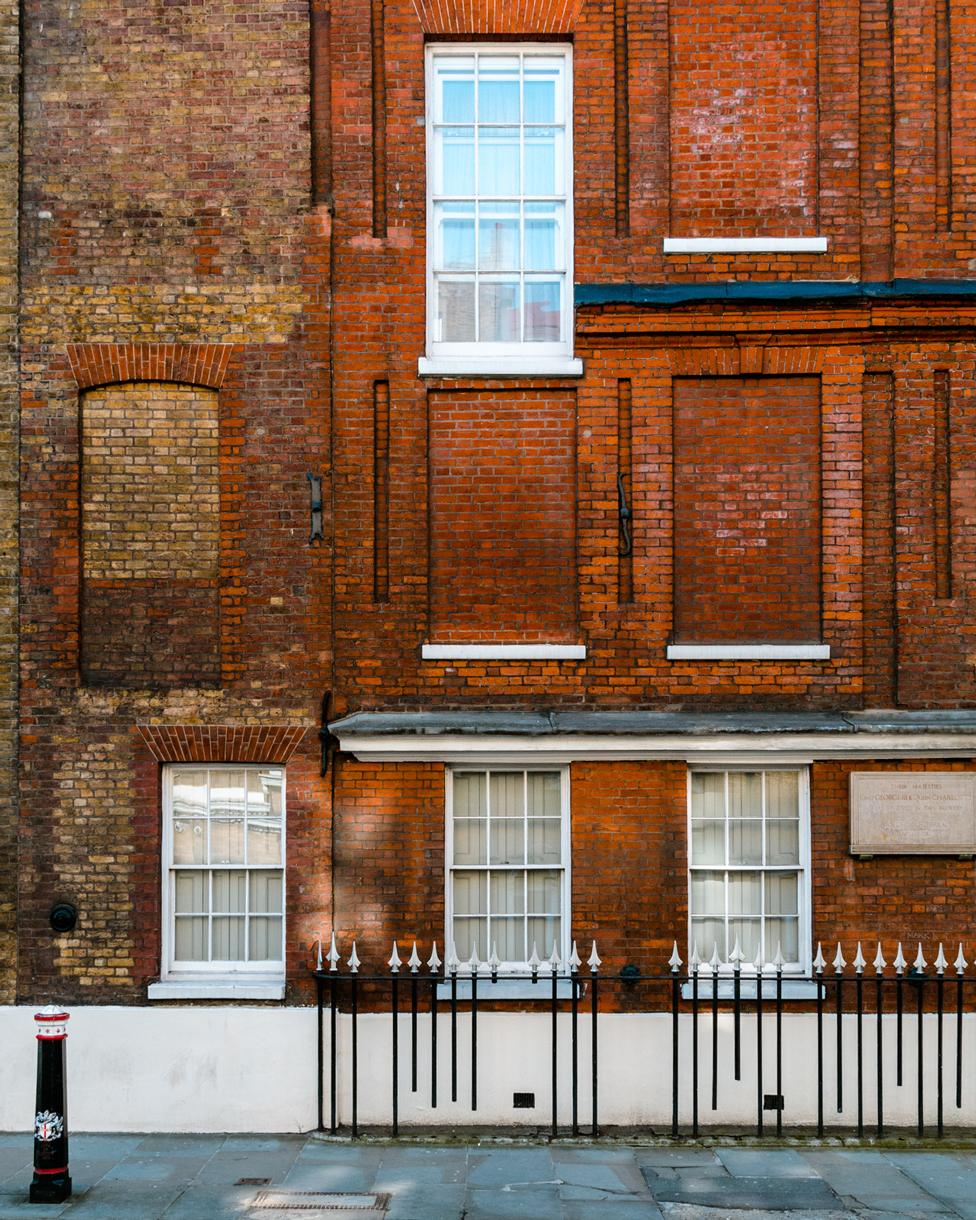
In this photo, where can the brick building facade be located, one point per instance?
(632, 344)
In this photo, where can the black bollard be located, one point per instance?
(52, 1182)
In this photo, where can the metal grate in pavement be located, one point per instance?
(347, 1205)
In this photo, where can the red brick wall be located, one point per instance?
(743, 119)
(747, 509)
(502, 517)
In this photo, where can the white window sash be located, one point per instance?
(801, 868)
(564, 868)
(172, 967)
(527, 350)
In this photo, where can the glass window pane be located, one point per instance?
(498, 312)
(230, 891)
(498, 162)
(455, 241)
(469, 841)
(507, 794)
(190, 841)
(543, 933)
(707, 842)
(227, 841)
(708, 894)
(264, 793)
(498, 241)
(746, 931)
(266, 892)
(545, 893)
(470, 935)
(227, 794)
(745, 842)
(745, 894)
(507, 893)
(782, 794)
(190, 793)
(782, 893)
(543, 245)
(783, 842)
(469, 794)
(470, 893)
(544, 841)
(707, 795)
(454, 164)
(455, 311)
(745, 794)
(542, 148)
(191, 939)
(263, 841)
(457, 92)
(540, 97)
(545, 794)
(543, 320)
(228, 938)
(265, 940)
(785, 935)
(192, 892)
(507, 841)
(508, 939)
(706, 936)
(498, 96)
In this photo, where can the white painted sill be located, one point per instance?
(503, 652)
(510, 989)
(748, 652)
(500, 366)
(793, 989)
(745, 245)
(217, 989)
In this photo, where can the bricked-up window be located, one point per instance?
(499, 202)
(749, 864)
(508, 854)
(223, 893)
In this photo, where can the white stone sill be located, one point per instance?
(503, 652)
(748, 652)
(745, 245)
(793, 989)
(499, 366)
(217, 989)
(509, 989)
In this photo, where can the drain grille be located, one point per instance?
(346, 1204)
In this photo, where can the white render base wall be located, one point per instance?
(241, 1069)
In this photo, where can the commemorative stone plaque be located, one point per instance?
(913, 813)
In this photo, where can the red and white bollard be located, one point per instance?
(51, 1182)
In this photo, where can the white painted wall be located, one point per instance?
(224, 1068)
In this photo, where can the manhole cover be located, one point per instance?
(357, 1206)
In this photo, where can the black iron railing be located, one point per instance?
(906, 1027)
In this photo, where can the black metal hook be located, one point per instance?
(625, 516)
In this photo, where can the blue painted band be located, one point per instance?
(771, 290)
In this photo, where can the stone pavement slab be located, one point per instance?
(157, 1177)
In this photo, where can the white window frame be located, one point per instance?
(565, 846)
(501, 359)
(183, 973)
(804, 886)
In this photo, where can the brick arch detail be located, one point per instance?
(222, 742)
(530, 17)
(748, 358)
(202, 364)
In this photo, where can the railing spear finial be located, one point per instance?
(594, 962)
(433, 962)
(575, 961)
(332, 957)
(899, 962)
(318, 955)
(674, 961)
(859, 962)
(960, 963)
(715, 961)
(819, 962)
(555, 961)
(779, 961)
(879, 961)
(473, 963)
(940, 961)
(414, 960)
(394, 962)
(354, 962)
(737, 957)
(920, 963)
(839, 962)
(494, 961)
